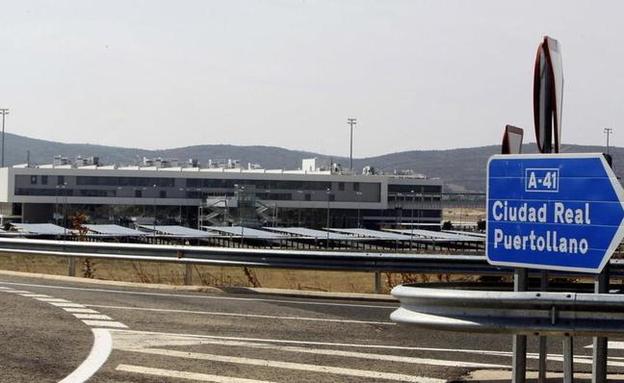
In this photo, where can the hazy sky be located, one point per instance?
(416, 74)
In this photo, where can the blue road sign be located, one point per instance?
(553, 211)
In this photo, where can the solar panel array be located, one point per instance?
(114, 230)
(246, 232)
(438, 235)
(178, 231)
(40, 228)
(375, 234)
(312, 233)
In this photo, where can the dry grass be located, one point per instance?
(215, 276)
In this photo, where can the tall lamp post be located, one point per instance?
(154, 208)
(4, 112)
(412, 220)
(352, 122)
(358, 194)
(328, 191)
(607, 131)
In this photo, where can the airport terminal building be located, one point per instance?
(163, 191)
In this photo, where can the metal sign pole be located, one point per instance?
(600, 343)
(519, 348)
(568, 359)
(543, 345)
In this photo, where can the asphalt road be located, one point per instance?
(166, 335)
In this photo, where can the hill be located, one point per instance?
(461, 169)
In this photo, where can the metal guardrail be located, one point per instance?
(524, 313)
(276, 258)
(292, 259)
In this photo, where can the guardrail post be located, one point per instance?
(71, 266)
(568, 360)
(600, 343)
(377, 282)
(188, 274)
(518, 365)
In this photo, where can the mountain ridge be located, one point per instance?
(461, 169)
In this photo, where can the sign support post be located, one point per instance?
(600, 343)
(518, 365)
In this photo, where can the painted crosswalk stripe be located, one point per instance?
(80, 310)
(287, 365)
(185, 375)
(50, 300)
(63, 304)
(255, 316)
(104, 323)
(93, 316)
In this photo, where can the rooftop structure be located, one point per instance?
(225, 194)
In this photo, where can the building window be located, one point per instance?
(341, 186)
(138, 193)
(332, 197)
(60, 180)
(356, 186)
(308, 197)
(162, 194)
(33, 180)
(44, 180)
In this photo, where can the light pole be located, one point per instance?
(358, 194)
(607, 131)
(180, 211)
(412, 220)
(239, 194)
(300, 193)
(154, 208)
(352, 122)
(4, 112)
(327, 223)
(64, 186)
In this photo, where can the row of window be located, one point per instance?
(416, 189)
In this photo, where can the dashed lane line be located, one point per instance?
(257, 316)
(185, 375)
(286, 365)
(211, 297)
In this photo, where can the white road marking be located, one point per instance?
(80, 310)
(287, 365)
(50, 300)
(185, 375)
(17, 291)
(104, 323)
(35, 295)
(101, 349)
(93, 316)
(212, 297)
(258, 316)
(135, 340)
(62, 304)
